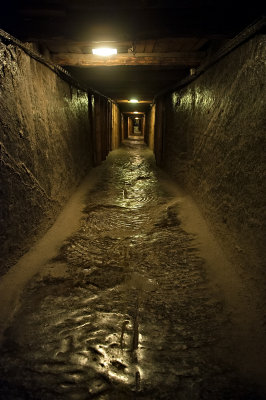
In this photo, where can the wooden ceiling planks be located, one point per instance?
(158, 28)
(185, 59)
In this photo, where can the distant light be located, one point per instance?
(104, 51)
(137, 118)
(133, 101)
(135, 112)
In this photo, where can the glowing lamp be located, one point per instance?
(135, 112)
(133, 101)
(104, 51)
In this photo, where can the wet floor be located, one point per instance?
(125, 311)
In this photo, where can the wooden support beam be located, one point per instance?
(149, 46)
(163, 59)
(139, 114)
(134, 104)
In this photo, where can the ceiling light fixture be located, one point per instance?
(133, 101)
(104, 51)
(135, 112)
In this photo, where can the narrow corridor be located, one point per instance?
(126, 309)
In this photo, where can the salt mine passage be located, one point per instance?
(132, 200)
(125, 310)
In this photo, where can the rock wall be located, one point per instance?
(214, 143)
(45, 148)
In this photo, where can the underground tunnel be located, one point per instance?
(132, 200)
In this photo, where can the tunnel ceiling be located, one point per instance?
(158, 41)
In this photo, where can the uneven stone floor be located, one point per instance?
(125, 311)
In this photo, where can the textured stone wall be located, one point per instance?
(45, 148)
(214, 143)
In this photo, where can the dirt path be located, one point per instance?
(138, 302)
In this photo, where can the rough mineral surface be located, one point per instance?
(215, 143)
(45, 147)
(125, 311)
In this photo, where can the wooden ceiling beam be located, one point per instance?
(162, 59)
(139, 113)
(149, 46)
(135, 104)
